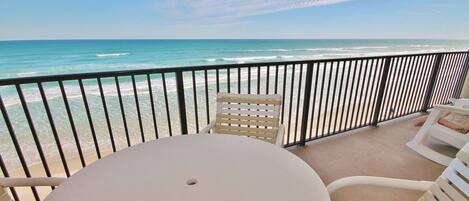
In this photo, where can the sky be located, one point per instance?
(230, 19)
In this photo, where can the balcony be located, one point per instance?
(56, 125)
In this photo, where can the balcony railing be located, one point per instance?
(81, 116)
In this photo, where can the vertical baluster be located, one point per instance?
(425, 81)
(196, 112)
(347, 120)
(321, 97)
(218, 80)
(165, 93)
(258, 79)
(121, 105)
(298, 95)
(152, 104)
(333, 97)
(249, 80)
(382, 85)
(335, 129)
(239, 80)
(356, 96)
(462, 77)
(207, 102)
(376, 80)
(276, 80)
(12, 133)
(181, 101)
(367, 99)
(6, 175)
(421, 77)
(53, 129)
(440, 78)
(228, 75)
(316, 65)
(402, 87)
(387, 90)
(306, 102)
(283, 93)
(346, 92)
(359, 108)
(72, 124)
(326, 103)
(452, 84)
(290, 103)
(267, 80)
(32, 129)
(431, 85)
(90, 121)
(137, 105)
(399, 70)
(106, 115)
(411, 85)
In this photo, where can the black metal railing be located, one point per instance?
(57, 124)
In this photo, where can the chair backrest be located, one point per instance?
(248, 115)
(452, 184)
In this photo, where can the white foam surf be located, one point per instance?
(112, 54)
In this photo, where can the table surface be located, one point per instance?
(196, 167)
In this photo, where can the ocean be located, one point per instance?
(36, 58)
(33, 58)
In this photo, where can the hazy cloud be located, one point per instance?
(238, 8)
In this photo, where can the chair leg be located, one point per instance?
(430, 153)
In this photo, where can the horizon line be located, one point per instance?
(77, 39)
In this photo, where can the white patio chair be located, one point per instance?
(432, 129)
(26, 182)
(248, 115)
(450, 186)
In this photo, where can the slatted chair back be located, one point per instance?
(248, 115)
(452, 185)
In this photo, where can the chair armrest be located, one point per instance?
(379, 181)
(460, 102)
(447, 108)
(37, 181)
(209, 127)
(280, 134)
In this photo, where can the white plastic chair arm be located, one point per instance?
(38, 181)
(448, 108)
(208, 127)
(280, 133)
(379, 181)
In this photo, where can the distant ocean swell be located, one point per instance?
(241, 60)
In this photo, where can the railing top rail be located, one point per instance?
(75, 76)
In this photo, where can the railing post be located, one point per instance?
(382, 85)
(306, 100)
(463, 81)
(431, 85)
(181, 102)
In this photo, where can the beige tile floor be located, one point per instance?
(373, 152)
(368, 151)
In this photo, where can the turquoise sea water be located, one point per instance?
(34, 58)
(31, 58)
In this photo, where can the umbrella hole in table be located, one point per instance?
(191, 182)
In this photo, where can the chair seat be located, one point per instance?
(448, 135)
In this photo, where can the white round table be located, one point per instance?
(196, 167)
